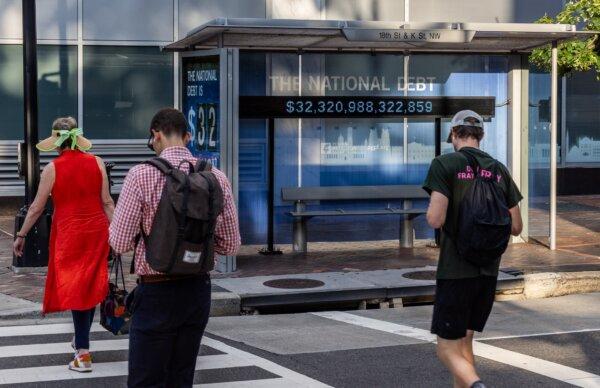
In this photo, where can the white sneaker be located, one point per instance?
(81, 363)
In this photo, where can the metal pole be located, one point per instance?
(271, 190)
(32, 174)
(35, 252)
(438, 152)
(553, 144)
(438, 136)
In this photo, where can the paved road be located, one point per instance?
(549, 343)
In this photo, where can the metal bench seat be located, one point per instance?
(301, 195)
(342, 212)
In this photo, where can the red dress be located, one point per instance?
(77, 270)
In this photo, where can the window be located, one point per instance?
(460, 75)
(583, 118)
(11, 92)
(57, 87)
(57, 84)
(122, 89)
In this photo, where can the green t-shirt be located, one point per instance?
(450, 175)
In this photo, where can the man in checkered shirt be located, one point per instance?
(171, 312)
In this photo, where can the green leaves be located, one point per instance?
(573, 55)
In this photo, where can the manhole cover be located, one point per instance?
(294, 283)
(420, 275)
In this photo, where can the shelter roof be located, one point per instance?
(343, 35)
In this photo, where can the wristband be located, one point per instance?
(19, 235)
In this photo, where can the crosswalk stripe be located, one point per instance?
(536, 365)
(59, 348)
(266, 383)
(376, 324)
(51, 328)
(103, 369)
(485, 338)
(232, 358)
(289, 375)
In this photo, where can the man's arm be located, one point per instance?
(227, 231)
(436, 212)
(438, 184)
(127, 217)
(517, 221)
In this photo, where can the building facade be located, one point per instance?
(100, 61)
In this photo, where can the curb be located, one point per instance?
(531, 286)
(551, 284)
(225, 304)
(507, 289)
(17, 308)
(33, 314)
(222, 304)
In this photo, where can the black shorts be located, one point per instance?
(461, 305)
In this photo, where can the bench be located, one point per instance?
(301, 195)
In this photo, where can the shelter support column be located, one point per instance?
(553, 143)
(518, 133)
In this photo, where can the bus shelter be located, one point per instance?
(325, 74)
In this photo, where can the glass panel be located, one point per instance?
(583, 118)
(346, 152)
(338, 152)
(253, 161)
(123, 88)
(539, 153)
(57, 87)
(461, 75)
(11, 92)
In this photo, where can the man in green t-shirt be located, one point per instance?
(464, 292)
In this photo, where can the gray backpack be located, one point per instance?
(181, 240)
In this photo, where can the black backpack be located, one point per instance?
(181, 240)
(484, 222)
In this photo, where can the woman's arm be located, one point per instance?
(107, 201)
(36, 208)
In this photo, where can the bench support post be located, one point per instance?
(406, 227)
(299, 229)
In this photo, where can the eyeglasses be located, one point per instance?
(150, 141)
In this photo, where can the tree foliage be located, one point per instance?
(573, 55)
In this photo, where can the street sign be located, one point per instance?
(411, 36)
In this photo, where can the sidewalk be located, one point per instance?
(379, 271)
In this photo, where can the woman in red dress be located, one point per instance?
(77, 270)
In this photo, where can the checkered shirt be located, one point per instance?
(139, 200)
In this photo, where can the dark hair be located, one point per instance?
(170, 122)
(64, 124)
(466, 131)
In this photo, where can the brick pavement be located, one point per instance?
(578, 249)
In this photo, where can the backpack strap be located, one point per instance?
(181, 220)
(202, 165)
(474, 163)
(161, 164)
(212, 215)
